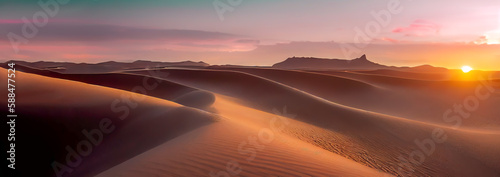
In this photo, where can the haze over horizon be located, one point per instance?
(256, 32)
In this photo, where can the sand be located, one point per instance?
(231, 121)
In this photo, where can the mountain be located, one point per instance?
(304, 63)
(330, 64)
(145, 63)
(109, 66)
(424, 69)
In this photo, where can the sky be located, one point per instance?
(259, 32)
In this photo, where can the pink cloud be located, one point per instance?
(388, 39)
(52, 20)
(10, 21)
(80, 56)
(481, 40)
(419, 28)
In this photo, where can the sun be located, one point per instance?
(466, 69)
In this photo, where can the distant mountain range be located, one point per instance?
(68, 67)
(361, 63)
(299, 63)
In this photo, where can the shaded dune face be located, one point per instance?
(196, 98)
(146, 85)
(427, 100)
(338, 85)
(422, 100)
(145, 133)
(54, 114)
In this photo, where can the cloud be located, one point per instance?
(419, 28)
(10, 21)
(481, 40)
(491, 37)
(20, 21)
(61, 33)
(388, 39)
(86, 32)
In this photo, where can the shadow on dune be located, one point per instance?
(142, 84)
(72, 129)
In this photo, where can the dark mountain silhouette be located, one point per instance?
(331, 64)
(361, 63)
(300, 63)
(424, 69)
(109, 66)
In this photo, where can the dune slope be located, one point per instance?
(53, 115)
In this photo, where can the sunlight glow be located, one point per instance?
(466, 69)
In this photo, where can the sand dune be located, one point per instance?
(151, 86)
(423, 100)
(208, 150)
(230, 121)
(382, 138)
(160, 121)
(56, 119)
